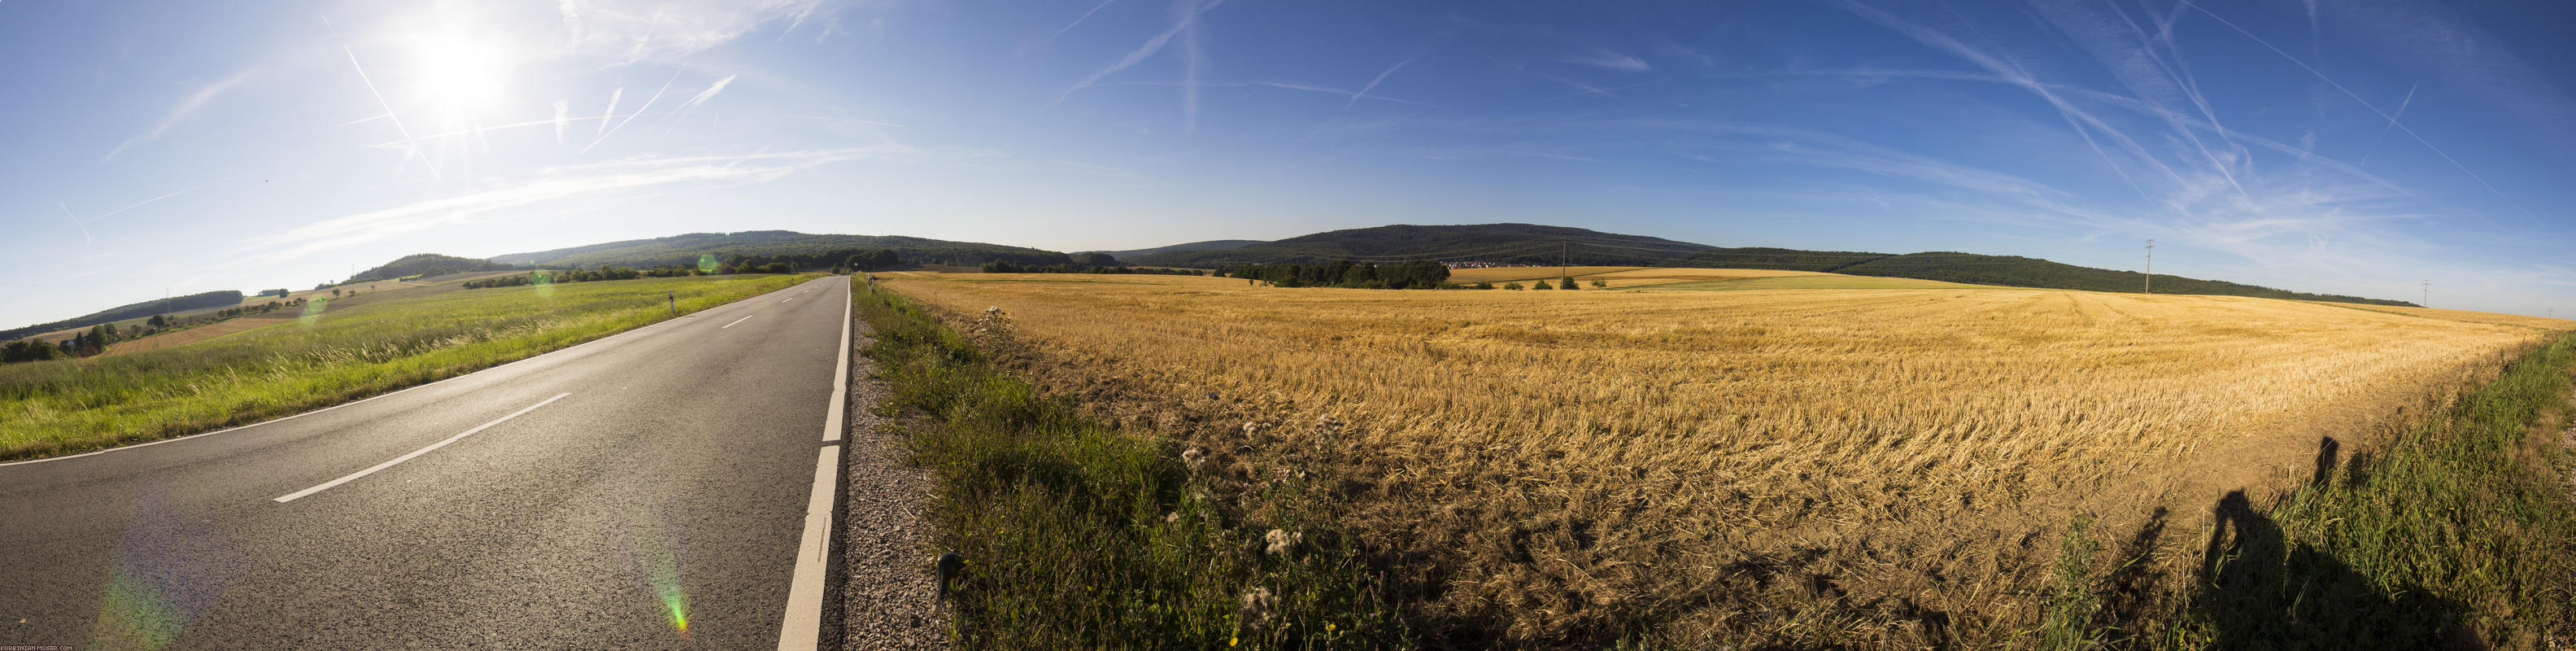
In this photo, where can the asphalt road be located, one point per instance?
(649, 490)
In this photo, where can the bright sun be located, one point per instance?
(464, 73)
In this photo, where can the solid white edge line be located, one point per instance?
(802, 627)
(840, 379)
(736, 322)
(296, 415)
(407, 457)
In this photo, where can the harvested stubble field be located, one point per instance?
(1802, 466)
(1626, 277)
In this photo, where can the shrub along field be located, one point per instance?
(1902, 467)
(324, 357)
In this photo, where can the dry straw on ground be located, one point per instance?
(1801, 465)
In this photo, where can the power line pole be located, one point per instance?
(2151, 265)
(2428, 294)
(1565, 250)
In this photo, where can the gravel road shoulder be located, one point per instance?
(889, 597)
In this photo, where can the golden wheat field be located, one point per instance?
(1839, 466)
(1625, 277)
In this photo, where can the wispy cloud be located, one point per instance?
(669, 30)
(196, 99)
(480, 130)
(2392, 118)
(691, 106)
(613, 96)
(1147, 50)
(2313, 215)
(594, 182)
(648, 105)
(76, 223)
(2356, 98)
(1077, 20)
(1381, 78)
(1678, 51)
(83, 224)
(1580, 89)
(412, 149)
(2084, 123)
(1354, 95)
(1607, 59)
(563, 111)
(150, 201)
(1194, 63)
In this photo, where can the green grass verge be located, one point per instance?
(1080, 536)
(326, 357)
(2459, 533)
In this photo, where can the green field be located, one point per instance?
(327, 357)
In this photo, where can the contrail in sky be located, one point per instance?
(389, 107)
(648, 103)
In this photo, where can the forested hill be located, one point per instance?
(687, 249)
(224, 298)
(2018, 271)
(426, 264)
(1502, 243)
(1210, 245)
(1534, 244)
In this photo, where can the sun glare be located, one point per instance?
(462, 72)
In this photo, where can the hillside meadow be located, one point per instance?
(330, 352)
(1811, 460)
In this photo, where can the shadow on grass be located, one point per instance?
(2259, 589)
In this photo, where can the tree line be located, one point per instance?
(98, 337)
(1418, 274)
(131, 311)
(738, 265)
(999, 267)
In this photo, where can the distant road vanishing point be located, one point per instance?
(661, 488)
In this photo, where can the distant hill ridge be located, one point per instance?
(1537, 244)
(686, 250)
(426, 264)
(225, 298)
(1494, 243)
(1210, 245)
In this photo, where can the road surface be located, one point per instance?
(655, 489)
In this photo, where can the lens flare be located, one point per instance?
(313, 312)
(707, 263)
(136, 614)
(545, 283)
(657, 562)
(166, 572)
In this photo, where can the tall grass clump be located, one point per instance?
(1080, 536)
(2072, 601)
(326, 357)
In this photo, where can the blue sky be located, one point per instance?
(2329, 146)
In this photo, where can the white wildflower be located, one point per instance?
(1280, 541)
